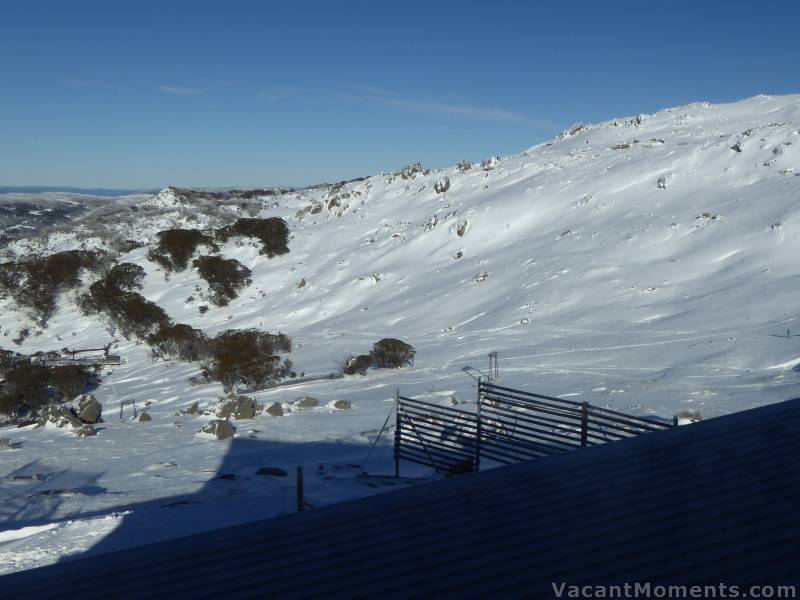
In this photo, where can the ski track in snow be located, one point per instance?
(651, 279)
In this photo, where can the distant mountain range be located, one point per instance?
(71, 190)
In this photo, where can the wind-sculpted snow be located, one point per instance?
(648, 264)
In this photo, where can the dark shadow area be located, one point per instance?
(234, 495)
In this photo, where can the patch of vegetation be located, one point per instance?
(179, 341)
(127, 310)
(35, 283)
(273, 233)
(248, 357)
(124, 276)
(177, 246)
(225, 277)
(391, 353)
(357, 364)
(27, 387)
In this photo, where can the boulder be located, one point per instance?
(306, 402)
(687, 417)
(60, 416)
(276, 410)
(342, 405)
(194, 409)
(490, 163)
(88, 408)
(272, 471)
(86, 431)
(240, 407)
(442, 185)
(145, 417)
(220, 428)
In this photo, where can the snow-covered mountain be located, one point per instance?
(647, 264)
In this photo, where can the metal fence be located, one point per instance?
(437, 436)
(510, 426)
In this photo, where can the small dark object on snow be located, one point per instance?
(273, 471)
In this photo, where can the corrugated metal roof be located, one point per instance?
(714, 502)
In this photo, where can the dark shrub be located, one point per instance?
(70, 380)
(11, 360)
(179, 341)
(273, 234)
(131, 312)
(35, 283)
(135, 315)
(125, 276)
(225, 277)
(176, 247)
(390, 353)
(28, 387)
(247, 356)
(357, 364)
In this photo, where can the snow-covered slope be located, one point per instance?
(648, 264)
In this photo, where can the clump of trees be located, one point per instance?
(387, 353)
(114, 295)
(179, 341)
(26, 387)
(248, 357)
(273, 233)
(177, 246)
(35, 283)
(391, 353)
(225, 277)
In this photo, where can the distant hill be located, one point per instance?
(70, 190)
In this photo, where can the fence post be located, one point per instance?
(584, 424)
(397, 433)
(478, 427)
(300, 500)
(674, 420)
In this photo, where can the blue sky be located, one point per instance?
(145, 94)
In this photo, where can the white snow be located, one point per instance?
(641, 264)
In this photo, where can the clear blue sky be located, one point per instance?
(144, 94)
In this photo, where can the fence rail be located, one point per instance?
(436, 436)
(510, 426)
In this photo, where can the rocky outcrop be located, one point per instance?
(87, 430)
(145, 417)
(60, 416)
(222, 429)
(442, 185)
(342, 405)
(240, 407)
(276, 410)
(306, 402)
(490, 163)
(88, 409)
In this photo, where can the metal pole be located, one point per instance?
(478, 428)
(397, 433)
(377, 439)
(300, 500)
(584, 424)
